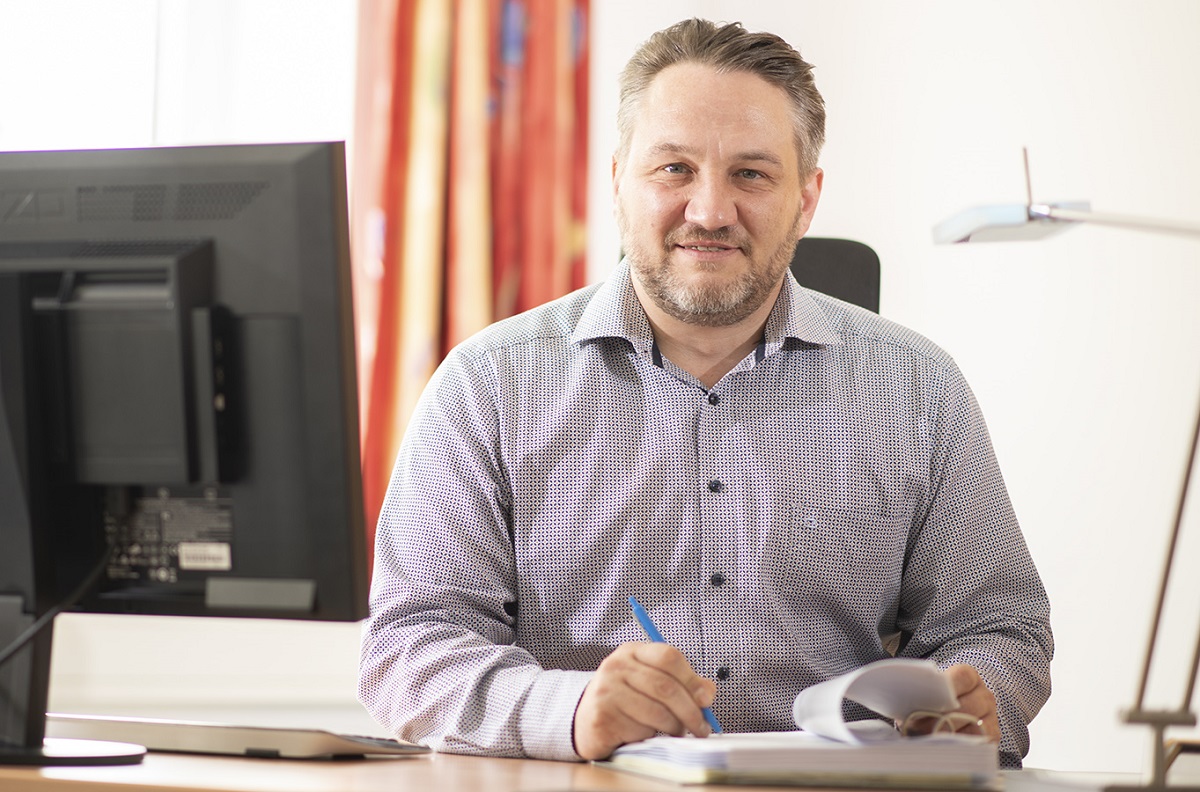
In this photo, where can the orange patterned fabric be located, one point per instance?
(468, 187)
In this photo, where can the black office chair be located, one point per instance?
(841, 268)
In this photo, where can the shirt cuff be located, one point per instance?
(548, 716)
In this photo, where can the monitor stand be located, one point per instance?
(24, 688)
(57, 752)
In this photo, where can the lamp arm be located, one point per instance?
(1180, 506)
(1051, 212)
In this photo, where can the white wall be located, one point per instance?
(1082, 349)
(109, 73)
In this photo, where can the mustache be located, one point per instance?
(691, 234)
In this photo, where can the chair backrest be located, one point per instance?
(841, 268)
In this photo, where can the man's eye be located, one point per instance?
(749, 173)
(675, 167)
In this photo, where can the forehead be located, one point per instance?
(696, 108)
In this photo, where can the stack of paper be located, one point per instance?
(829, 751)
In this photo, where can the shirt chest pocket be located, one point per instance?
(839, 559)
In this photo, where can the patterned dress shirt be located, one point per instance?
(834, 499)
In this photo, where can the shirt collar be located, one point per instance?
(615, 312)
(798, 316)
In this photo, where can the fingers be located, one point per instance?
(975, 699)
(640, 689)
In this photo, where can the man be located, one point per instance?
(792, 486)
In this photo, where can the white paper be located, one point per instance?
(893, 687)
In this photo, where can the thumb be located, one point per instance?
(704, 691)
(963, 678)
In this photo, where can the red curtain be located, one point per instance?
(468, 187)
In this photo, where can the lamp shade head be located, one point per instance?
(1002, 223)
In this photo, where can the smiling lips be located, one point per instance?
(706, 242)
(707, 246)
(695, 239)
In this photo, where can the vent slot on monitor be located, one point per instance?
(156, 202)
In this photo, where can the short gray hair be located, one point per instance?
(727, 48)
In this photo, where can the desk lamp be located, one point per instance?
(1008, 222)
(999, 223)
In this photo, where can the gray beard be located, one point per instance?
(707, 306)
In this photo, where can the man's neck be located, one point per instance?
(707, 353)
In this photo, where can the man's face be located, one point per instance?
(709, 197)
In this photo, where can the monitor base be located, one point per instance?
(64, 753)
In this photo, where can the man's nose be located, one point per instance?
(711, 204)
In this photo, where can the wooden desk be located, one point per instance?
(164, 772)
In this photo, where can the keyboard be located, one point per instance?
(218, 738)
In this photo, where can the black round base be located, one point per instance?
(57, 752)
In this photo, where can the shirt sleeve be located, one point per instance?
(970, 592)
(438, 665)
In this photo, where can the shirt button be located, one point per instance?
(723, 673)
(714, 486)
(713, 398)
(717, 579)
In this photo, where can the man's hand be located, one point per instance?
(640, 689)
(975, 699)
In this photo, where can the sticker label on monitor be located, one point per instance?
(206, 556)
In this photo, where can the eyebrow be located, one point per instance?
(745, 156)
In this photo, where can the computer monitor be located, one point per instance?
(178, 410)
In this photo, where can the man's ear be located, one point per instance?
(810, 195)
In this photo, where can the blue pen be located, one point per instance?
(654, 635)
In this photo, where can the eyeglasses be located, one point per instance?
(927, 722)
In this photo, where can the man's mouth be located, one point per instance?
(706, 248)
